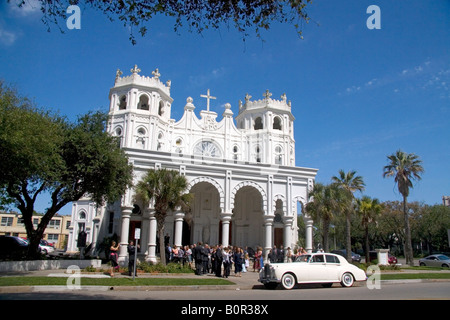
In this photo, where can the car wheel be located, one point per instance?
(288, 281)
(423, 264)
(347, 280)
(445, 265)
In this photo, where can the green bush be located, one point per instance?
(160, 268)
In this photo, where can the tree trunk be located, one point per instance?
(366, 237)
(326, 230)
(408, 244)
(348, 243)
(160, 220)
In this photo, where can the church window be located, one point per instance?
(161, 108)
(258, 124)
(207, 149)
(258, 154)
(136, 210)
(278, 155)
(123, 102)
(82, 215)
(143, 102)
(141, 131)
(235, 153)
(277, 123)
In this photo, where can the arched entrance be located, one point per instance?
(247, 219)
(204, 219)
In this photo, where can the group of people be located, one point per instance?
(217, 260)
(279, 255)
(113, 255)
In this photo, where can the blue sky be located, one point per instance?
(358, 95)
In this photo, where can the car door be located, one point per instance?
(317, 271)
(332, 267)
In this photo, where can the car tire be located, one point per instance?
(423, 264)
(347, 280)
(445, 265)
(288, 281)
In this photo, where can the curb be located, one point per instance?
(30, 289)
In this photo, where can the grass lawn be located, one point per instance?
(60, 281)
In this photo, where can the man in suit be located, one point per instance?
(218, 258)
(197, 254)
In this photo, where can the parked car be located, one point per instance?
(324, 268)
(435, 260)
(355, 257)
(391, 259)
(45, 247)
(12, 247)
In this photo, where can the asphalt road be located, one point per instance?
(399, 291)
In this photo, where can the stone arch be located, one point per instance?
(295, 201)
(250, 184)
(144, 102)
(213, 182)
(274, 202)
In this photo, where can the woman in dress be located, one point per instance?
(114, 249)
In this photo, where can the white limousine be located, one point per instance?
(325, 268)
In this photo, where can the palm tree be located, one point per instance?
(325, 200)
(350, 183)
(404, 168)
(166, 189)
(368, 209)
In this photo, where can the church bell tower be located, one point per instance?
(139, 104)
(269, 124)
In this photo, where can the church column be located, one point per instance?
(225, 218)
(308, 235)
(268, 228)
(152, 226)
(288, 220)
(125, 230)
(179, 216)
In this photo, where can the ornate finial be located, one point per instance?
(247, 97)
(284, 97)
(135, 70)
(267, 94)
(156, 74)
(118, 74)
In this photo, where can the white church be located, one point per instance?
(241, 170)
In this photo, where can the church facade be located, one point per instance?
(241, 170)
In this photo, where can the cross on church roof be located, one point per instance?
(208, 97)
(156, 73)
(267, 94)
(135, 69)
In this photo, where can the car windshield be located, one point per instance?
(22, 241)
(303, 258)
(442, 257)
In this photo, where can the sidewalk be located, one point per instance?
(247, 281)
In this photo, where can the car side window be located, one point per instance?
(331, 259)
(318, 259)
